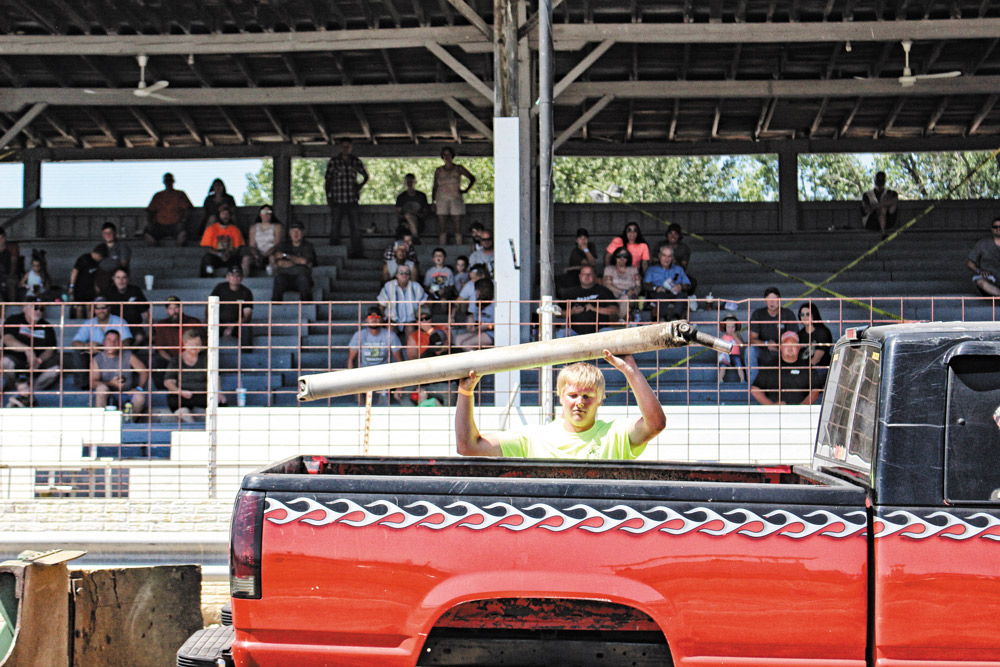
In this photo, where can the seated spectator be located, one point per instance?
(467, 297)
(461, 273)
(236, 308)
(412, 207)
(401, 298)
(30, 348)
(588, 306)
(632, 240)
(428, 339)
(439, 281)
(294, 259)
(666, 286)
(119, 255)
(622, 278)
(36, 282)
(21, 397)
(216, 199)
(117, 376)
(479, 333)
(222, 242)
(168, 214)
(128, 301)
(584, 253)
(476, 231)
(90, 337)
(984, 261)
(187, 378)
(82, 279)
(10, 268)
(485, 255)
(766, 326)
(682, 253)
(398, 259)
(815, 339)
(373, 345)
(879, 207)
(167, 337)
(262, 241)
(730, 332)
(402, 234)
(790, 382)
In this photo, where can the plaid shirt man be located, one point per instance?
(342, 179)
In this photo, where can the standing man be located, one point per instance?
(411, 207)
(588, 306)
(577, 434)
(878, 206)
(342, 193)
(792, 381)
(766, 326)
(236, 308)
(168, 214)
(984, 260)
(294, 261)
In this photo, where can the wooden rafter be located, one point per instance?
(890, 119)
(981, 115)
(147, 125)
(849, 118)
(188, 122)
(62, 128)
(818, 119)
(317, 117)
(241, 136)
(936, 116)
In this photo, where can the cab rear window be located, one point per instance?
(847, 425)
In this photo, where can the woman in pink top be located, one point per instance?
(730, 330)
(633, 240)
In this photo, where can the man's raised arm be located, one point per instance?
(470, 441)
(653, 420)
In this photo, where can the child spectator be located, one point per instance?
(222, 242)
(119, 255)
(461, 273)
(815, 338)
(439, 281)
(730, 332)
(36, 283)
(428, 340)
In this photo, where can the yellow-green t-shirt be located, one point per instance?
(604, 440)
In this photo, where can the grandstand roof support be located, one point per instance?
(788, 190)
(22, 123)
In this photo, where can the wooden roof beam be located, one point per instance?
(818, 119)
(12, 74)
(317, 117)
(890, 119)
(276, 124)
(531, 23)
(289, 62)
(472, 17)
(188, 122)
(241, 136)
(581, 67)
(469, 117)
(456, 66)
(936, 116)
(65, 130)
(104, 126)
(981, 115)
(849, 118)
(362, 117)
(21, 124)
(147, 125)
(672, 128)
(580, 122)
(981, 60)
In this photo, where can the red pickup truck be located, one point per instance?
(885, 551)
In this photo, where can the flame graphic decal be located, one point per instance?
(662, 519)
(918, 528)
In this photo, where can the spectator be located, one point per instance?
(984, 260)
(168, 214)
(428, 339)
(791, 381)
(22, 397)
(402, 234)
(467, 297)
(265, 235)
(36, 282)
(119, 255)
(222, 242)
(167, 337)
(682, 253)
(584, 253)
(373, 345)
(447, 194)
(412, 207)
(401, 298)
(439, 281)
(485, 254)
(879, 207)
(399, 258)
(113, 374)
(815, 339)
(10, 267)
(633, 240)
(82, 279)
(481, 319)
(30, 348)
(187, 378)
(216, 199)
(294, 259)
(730, 332)
(622, 278)
(766, 326)
(461, 272)
(236, 308)
(666, 286)
(129, 302)
(342, 193)
(588, 306)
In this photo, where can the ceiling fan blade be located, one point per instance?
(940, 75)
(165, 98)
(158, 86)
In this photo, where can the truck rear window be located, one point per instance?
(848, 421)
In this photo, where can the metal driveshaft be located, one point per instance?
(502, 359)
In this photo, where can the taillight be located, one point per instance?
(244, 545)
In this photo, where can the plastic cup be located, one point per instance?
(149, 281)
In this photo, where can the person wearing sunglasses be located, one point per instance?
(29, 348)
(984, 261)
(89, 338)
(632, 240)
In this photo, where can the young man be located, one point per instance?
(342, 193)
(588, 306)
(295, 258)
(577, 434)
(766, 326)
(373, 345)
(29, 347)
(236, 308)
(222, 242)
(879, 206)
(984, 261)
(167, 337)
(130, 303)
(412, 206)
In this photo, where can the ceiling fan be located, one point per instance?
(909, 78)
(142, 89)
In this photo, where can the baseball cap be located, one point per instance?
(296, 224)
(235, 270)
(790, 335)
(425, 310)
(582, 231)
(173, 299)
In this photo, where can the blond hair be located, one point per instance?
(582, 375)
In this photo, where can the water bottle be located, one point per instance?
(127, 412)
(241, 397)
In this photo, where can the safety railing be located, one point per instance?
(117, 417)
